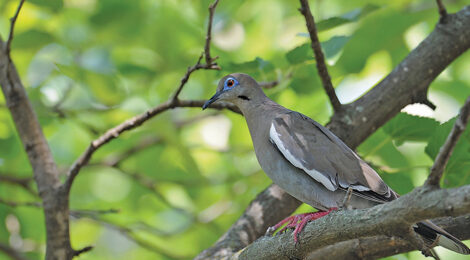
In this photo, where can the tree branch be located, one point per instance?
(269, 84)
(382, 246)
(188, 73)
(390, 219)
(446, 150)
(207, 51)
(319, 57)
(39, 154)
(358, 120)
(15, 204)
(442, 10)
(12, 27)
(81, 251)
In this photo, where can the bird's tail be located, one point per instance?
(433, 234)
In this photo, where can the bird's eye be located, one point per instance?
(230, 83)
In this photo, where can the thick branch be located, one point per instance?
(391, 219)
(45, 170)
(403, 86)
(319, 57)
(446, 150)
(382, 246)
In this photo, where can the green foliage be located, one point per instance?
(457, 172)
(90, 65)
(348, 17)
(404, 127)
(304, 52)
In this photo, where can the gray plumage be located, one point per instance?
(307, 160)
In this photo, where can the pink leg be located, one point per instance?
(299, 221)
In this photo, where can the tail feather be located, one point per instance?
(433, 234)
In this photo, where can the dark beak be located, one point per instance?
(212, 100)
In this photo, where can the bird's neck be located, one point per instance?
(259, 116)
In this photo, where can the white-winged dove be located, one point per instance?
(309, 162)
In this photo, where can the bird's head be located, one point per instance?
(236, 88)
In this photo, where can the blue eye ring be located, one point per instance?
(230, 83)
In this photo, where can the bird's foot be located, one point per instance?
(298, 222)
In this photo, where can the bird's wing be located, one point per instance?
(313, 148)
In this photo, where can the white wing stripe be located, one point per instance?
(294, 161)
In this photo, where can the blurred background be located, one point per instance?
(173, 186)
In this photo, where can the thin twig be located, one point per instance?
(319, 57)
(81, 251)
(78, 213)
(207, 51)
(12, 28)
(15, 204)
(442, 10)
(446, 150)
(269, 84)
(24, 182)
(188, 73)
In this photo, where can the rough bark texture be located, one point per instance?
(382, 246)
(408, 83)
(392, 219)
(45, 171)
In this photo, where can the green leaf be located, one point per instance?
(32, 39)
(300, 54)
(334, 45)
(304, 52)
(256, 65)
(405, 127)
(457, 171)
(54, 5)
(384, 32)
(133, 69)
(348, 17)
(305, 79)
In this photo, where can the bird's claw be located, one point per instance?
(270, 231)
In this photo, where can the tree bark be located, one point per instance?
(45, 171)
